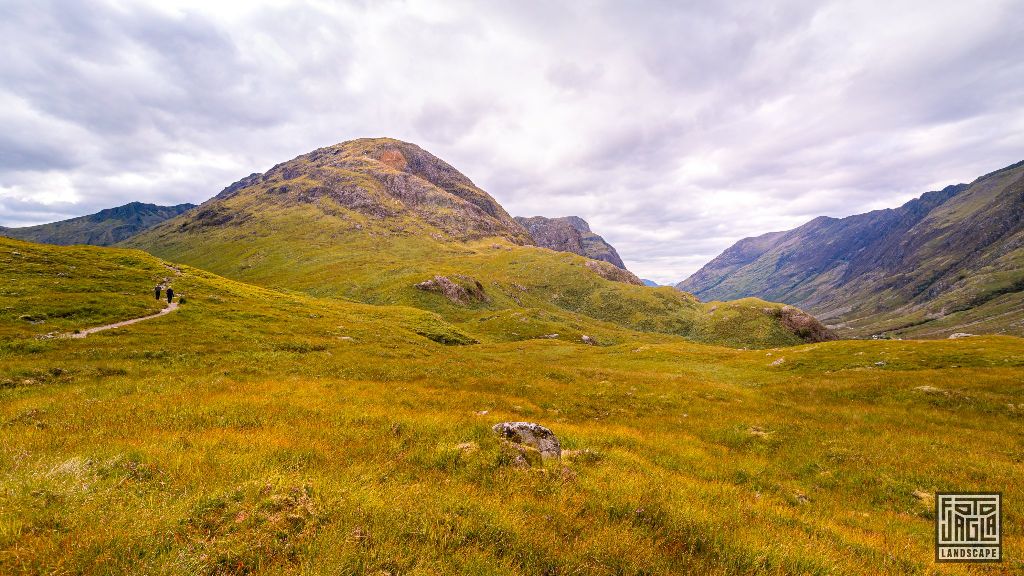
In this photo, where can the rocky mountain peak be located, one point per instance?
(570, 234)
(385, 179)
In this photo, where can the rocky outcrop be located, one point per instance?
(610, 272)
(527, 436)
(802, 324)
(463, 290)
(570, 234)
(390, 181)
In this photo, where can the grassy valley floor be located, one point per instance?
(261, 431)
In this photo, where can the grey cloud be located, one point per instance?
(675, 128)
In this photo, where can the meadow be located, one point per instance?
(271, 431)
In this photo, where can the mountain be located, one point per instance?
(570, 234)
(103, 228)
(949, 261)
(384, 222)
(650, 283)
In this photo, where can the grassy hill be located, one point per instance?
(103, 228)
(369, 220)
(275, 432)
(949, 261)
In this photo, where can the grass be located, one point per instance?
(333, 252)
(267, 431)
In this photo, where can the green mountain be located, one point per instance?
(949, 261)
(384, 222)
(570, 234)
(103, 228)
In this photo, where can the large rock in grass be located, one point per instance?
(530, 435)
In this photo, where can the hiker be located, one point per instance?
(170, 294)
(157, 290)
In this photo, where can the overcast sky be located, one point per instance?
(675, 128)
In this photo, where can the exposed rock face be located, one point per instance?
(946, 252)
(570, 234)
(103, 228)
(530, 435)
(382, 178)
(463, 290)
(610, 272)
(802, 324)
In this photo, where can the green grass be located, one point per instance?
(261, 431)
(327, 251)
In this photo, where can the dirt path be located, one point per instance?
(170, 308)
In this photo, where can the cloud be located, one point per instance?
(675, 128)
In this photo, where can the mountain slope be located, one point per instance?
(103, 228)
(383, 222)
(948, 261)
(570, 234)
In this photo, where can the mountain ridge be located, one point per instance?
(104, 228)
(570, 234)
(895, 270)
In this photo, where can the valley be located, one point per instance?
(271, 431)
(349, 328)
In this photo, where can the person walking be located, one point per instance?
(157, 290)
(170, 294)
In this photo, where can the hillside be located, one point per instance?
(103, 228)
(384, 222)
(570, 234)
(256, 431)
(949, 261)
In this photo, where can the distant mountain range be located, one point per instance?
(949, 261)
(364, 218)
(106, 227)
(103, 228)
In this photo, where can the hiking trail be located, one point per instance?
(82, 334)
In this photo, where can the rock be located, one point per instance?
(802, 324)
(588, 340)
(930, 390)
(462, 290)
(880, 363)
(570, 234)
(550, 336)
(532, 436)
(611, 272)
(956, 335)
(922, 495)
(778, 362)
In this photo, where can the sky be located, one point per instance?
(675, 128)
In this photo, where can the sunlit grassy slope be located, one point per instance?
(255, 431)
(530, 291)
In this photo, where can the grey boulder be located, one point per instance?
(532, 436)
